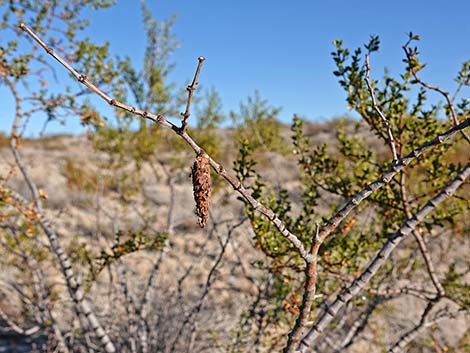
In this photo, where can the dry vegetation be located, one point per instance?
(88, 211)
(346, 236)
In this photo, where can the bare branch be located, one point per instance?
(390, 293)
(160, 119)
(191, 88)
(359, 324)
(190, 317)
(82, 79)
(14, 142)
(15, 327)
(73, 285)
(417, 330)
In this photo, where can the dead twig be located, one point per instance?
(160, 119)
(191, 88)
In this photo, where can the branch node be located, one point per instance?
(191, 88)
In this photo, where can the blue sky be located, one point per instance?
(283, 48)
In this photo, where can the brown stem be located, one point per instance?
(160, 119)
(191, 88)
(300, 326)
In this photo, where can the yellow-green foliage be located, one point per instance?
(346, 167)
(258, 123)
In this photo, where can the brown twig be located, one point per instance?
(191, 88)
(160, 119)
(142, 309)
(419, 293)
(359, 325)
(306, 306)
(191, 316)
(385, 122)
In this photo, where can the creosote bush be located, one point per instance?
(371, 227)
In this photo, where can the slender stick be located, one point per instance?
(191, 88)
(416, 331)
(386, 123)
(73, 285)
(160, 119)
